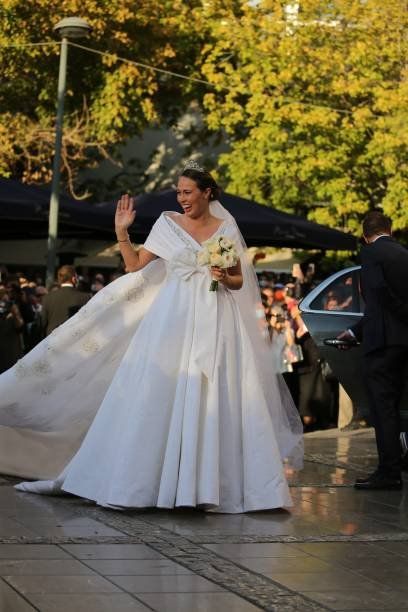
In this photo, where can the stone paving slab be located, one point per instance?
(113, 602)
(338, 549)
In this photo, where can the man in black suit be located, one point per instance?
(62, 303)
(383, 331)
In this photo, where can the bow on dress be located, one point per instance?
(184, 265)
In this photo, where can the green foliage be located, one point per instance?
(315, 106)
(327, 262)
(107, 100)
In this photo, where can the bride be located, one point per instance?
(158, 392)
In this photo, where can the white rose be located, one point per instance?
(229, 260)
(216, 260)
(226, 243)
(214, 248)
(203, 258)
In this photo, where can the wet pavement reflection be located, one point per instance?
(336, 549)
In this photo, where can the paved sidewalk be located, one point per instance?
(338, 549)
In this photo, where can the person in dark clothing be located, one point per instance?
(11, 324)
(316, 404)
(383, 331)
(314, 396)
(62, 303)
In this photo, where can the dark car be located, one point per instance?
(334, 305)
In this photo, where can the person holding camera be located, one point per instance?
(282, 338)
(11, 324)
(286, 353)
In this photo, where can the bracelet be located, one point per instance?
(126, 240)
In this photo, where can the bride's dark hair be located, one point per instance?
(203, 180)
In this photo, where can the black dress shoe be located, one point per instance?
(376, 474)
(355, 424)
(378, 482)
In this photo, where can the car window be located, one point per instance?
(342, 295)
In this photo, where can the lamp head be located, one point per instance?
(72, 27)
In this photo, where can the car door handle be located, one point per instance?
(339, 343)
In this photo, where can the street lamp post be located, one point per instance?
(70, 27)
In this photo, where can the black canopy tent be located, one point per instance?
(260, 225)
(24, 214)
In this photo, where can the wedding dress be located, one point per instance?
(155, 393)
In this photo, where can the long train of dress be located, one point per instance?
(153, 396)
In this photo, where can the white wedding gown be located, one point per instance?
(151, 396)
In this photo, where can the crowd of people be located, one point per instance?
(314, 389)
(29, 312)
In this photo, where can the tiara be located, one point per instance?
(192, 165)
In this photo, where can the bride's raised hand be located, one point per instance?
(125, 213)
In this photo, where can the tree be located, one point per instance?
(107, 100)
(314, 104)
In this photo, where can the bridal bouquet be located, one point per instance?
(219, 252)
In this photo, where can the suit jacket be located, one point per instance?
(59, 305)
(384, 285)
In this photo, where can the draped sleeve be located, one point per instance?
(162, 240)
